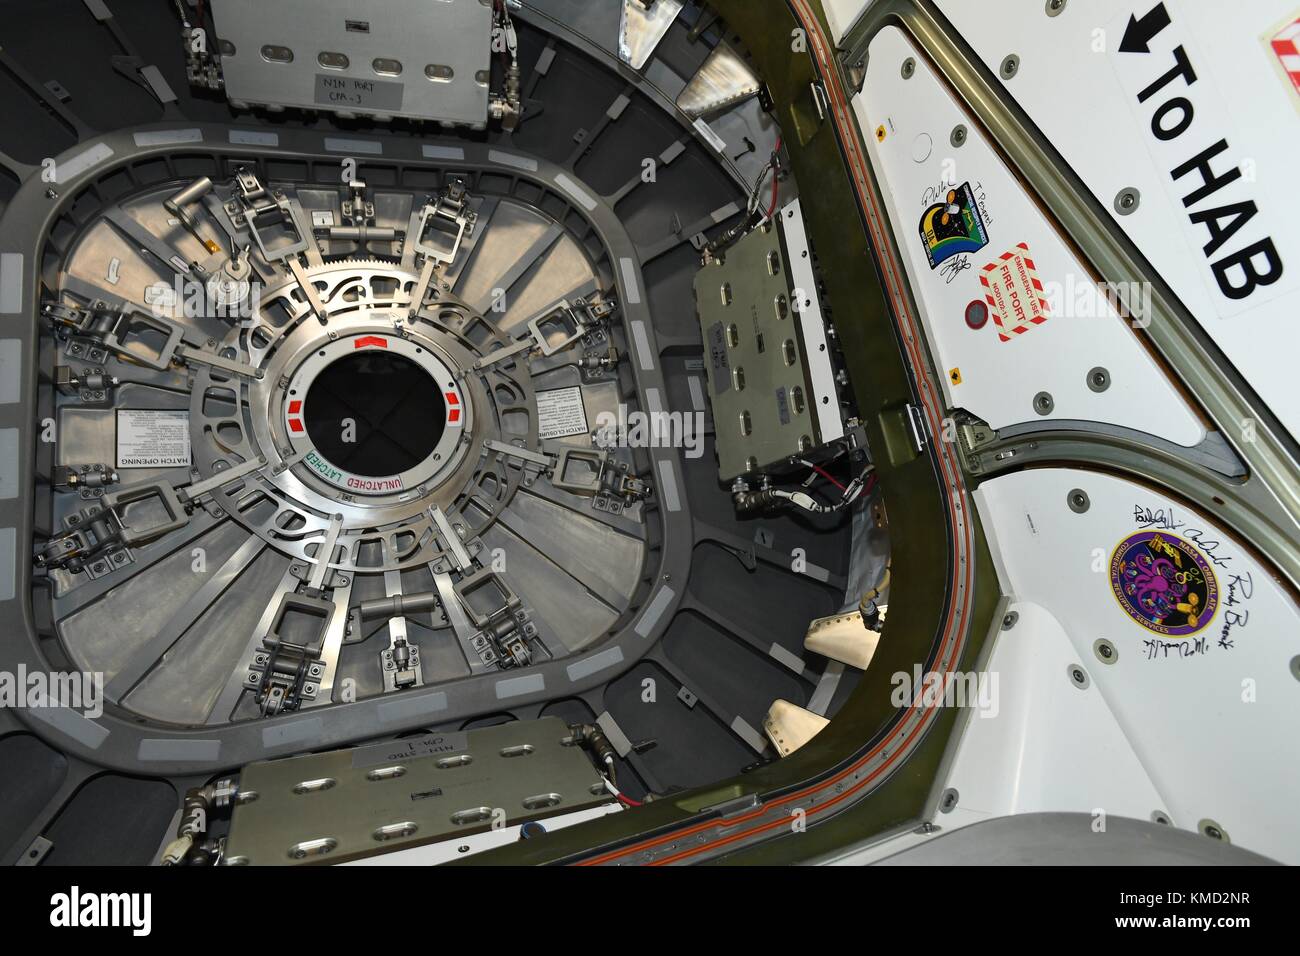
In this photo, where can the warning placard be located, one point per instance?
(152, 438)
(1015, 295)
(560, 412)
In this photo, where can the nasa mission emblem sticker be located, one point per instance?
(953, 226)
(1164, 583)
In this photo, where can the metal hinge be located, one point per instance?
(284, 673)
(97, 538)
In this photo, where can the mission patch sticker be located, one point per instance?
(953, 226)
(1164, 583)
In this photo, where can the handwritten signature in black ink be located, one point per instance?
(954, 267)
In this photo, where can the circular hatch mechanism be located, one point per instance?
(375, 414)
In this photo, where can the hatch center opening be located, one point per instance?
(374, 413)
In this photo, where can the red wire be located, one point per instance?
(628, 801)
(828, 476)
(775, 186)
(772, 208)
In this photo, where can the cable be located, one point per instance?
(622, 797)
(749, 223)
(870, 596)
(751, 501)
(775, 165)
(775, 191)
(824, 473)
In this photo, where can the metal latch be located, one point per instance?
(96, 538)
(255, 203)
(92, 333)
(287, 670)
(504, 631)
(174, 515)
(446, 219)
(92, 543)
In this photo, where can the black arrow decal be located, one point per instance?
(1140, 33)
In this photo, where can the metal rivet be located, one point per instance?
(1099, 379)
(958, 137)
(1078, 501)
(1078, 676)
(1212, 830)
(948, 800)
(1106, 652)
(1162, 818)
(1127, 201)
(1295, 667)
(1054, 7)
(1044, 403)
(909, 68)
(1009, 621)
(1010, 66)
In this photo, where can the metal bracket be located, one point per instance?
(594, 460)
(578, 316)
(449, 214)
(475, 583)
(256, 202)
(916, 426)
(91, 543)
(176, 517)
(89, 480)
(401, 665)
(286, 671)
(91, 386)
(95, 332)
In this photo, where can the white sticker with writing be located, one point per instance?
(560, 413)
(152, 438)
(1193, 137)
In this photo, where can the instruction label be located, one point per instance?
(560, 412)
(152, 438)
(395, 751)
(344, 92)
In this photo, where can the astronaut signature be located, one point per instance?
(954, 267)
(1166, 520)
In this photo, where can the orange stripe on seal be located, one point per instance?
(370, 341)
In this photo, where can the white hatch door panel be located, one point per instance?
(1039, 742)
(1128, 119)
(1203, 682)
(842, 14)
(1010, 312)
